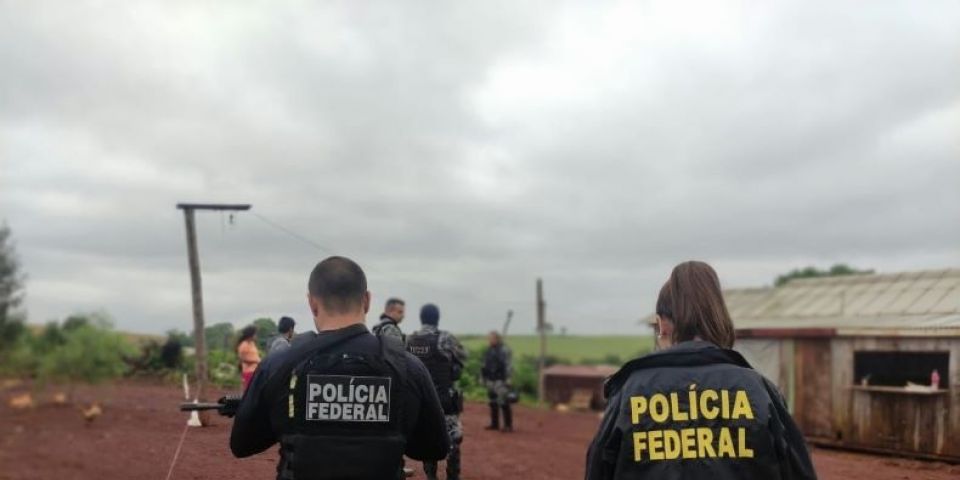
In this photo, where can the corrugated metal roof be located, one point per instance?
(898, 301)
(906, 303)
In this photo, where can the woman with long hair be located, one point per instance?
(695, 409)
(248, 353)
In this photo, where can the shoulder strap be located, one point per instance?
(278, 378)
(393, 353)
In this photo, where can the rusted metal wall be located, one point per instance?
(908, 422)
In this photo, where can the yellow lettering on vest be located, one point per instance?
(638, 406)
(671, 444)
(743, 451)
(705, 443)
(655, 439)
(687, 442)
(675, 412)
(724, 404)
(639, 445)
(659, 411)
(693, 402)
(725, 445)
(741, 406)
(708, 412)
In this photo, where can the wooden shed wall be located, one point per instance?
(897, 421)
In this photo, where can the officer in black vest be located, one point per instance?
(695, 409)
(496, 373)
(343, 404)
(444, 357)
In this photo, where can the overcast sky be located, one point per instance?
(458, 152)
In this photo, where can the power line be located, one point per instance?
(292, 233)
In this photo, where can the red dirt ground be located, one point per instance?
(140, 427)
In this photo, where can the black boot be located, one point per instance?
(453, 462)
(507, 418)
(430, 470)
(494, 417)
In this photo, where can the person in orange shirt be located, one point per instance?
(248, 354)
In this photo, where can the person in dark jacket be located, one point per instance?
(495, 374)
(695, 409)
(342, 403)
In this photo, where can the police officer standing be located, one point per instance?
(695, 409)
(496, 373)
(343, 404)
(444, 357)
(390, 319)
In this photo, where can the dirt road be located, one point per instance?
(137, 435)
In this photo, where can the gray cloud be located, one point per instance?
(460, 151)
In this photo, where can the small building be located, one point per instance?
(573, 384)
(855, 356)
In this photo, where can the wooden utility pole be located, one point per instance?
(542, 329)
(196, 290)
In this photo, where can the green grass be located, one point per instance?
(571, 348)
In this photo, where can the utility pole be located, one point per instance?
(196, 290)
(506, 324)
(542, 328)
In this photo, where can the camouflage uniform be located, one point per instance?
(388, 328)
(453, 350)
(496, 373)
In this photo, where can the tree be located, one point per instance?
(219, 336)
(266, 329)
(837, 270)
(11, 291)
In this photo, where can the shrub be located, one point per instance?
(89, 354)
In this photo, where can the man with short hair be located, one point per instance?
(390, 319)
(284, 333)
(444, 357)
(496, 373)
(342, 403)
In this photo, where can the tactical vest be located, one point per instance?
(425, 346)
(494, 365)
(343, 416)
(384, 321)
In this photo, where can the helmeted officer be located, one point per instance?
(496, 373)
(343, 403)
(695, 409)
(444, 357)
(393, 313)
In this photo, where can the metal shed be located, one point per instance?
(854, 357)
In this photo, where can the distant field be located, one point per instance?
(571, 348)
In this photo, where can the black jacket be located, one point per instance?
(695, 411)
(424, 429)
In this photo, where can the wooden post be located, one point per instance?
(196, 291)
(542, 329)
